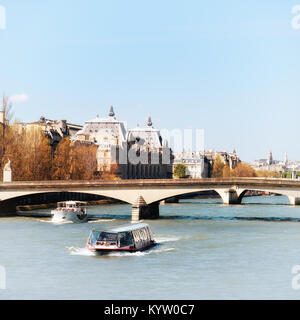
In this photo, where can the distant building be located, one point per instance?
(55, 130)
(229, 158)
(200, 164)
(270, 161)
(155, 154)
(104, 132)
(285, 161)
(138, 153)
(196, 166)
(270, 164)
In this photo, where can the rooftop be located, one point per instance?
(127, 228)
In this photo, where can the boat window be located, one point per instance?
(94, 237)
(136, 235)
(148, 233)
(140, 234)
(125, 239)
(107, 236)
(143, 235)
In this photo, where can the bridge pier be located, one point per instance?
(8, 208)
(294, 201)
(229, 196)
(141, 210)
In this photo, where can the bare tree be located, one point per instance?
(5, 118)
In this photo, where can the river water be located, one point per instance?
(205, 251)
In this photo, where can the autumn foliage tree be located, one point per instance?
(221, 170)
(226, 171)
(61, 168)
(75, 161)
(218, 166)
(29, 152)
(243, 170)
(267, 174)
(83, 161)
(32, 159)
(110, 174)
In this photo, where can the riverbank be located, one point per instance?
(25, 208)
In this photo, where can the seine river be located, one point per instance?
(205, 251)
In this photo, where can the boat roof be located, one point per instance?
(72, 202)
(125, 228)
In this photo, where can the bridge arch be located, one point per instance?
(281, 193)
(162, 195)
(9, 204)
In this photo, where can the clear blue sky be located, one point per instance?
(229, 67)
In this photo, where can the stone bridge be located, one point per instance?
(145, 195)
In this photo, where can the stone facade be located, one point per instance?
(199, 164)
(105, 132)
(196, 166)
(138, 153)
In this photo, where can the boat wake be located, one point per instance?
(140, 253)
(166, 239)
(57, 223)
(101, 220)
(76, 251)
(45, 221)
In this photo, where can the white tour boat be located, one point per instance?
(70, 211)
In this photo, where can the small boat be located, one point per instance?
(70, 211)
(132, 238)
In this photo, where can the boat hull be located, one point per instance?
(67, 216)
(106, 250)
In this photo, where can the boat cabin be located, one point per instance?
(71, 204)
